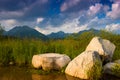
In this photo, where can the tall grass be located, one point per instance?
(95, 72)
(20, 52)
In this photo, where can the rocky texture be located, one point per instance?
(83, 64)
(104, 47)
(112, 69)
(50, 61)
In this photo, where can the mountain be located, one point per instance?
(90, 30)
(25, 32)
(58, 35)
(62, 35)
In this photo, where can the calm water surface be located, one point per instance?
(15, 73)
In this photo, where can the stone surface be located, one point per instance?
(50, 61)
(83, 63)
(104, 47)
(112, 69)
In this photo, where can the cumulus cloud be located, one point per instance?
(39, 20)
(94, 9)
(76, 5)
(113, 27)
(97, 8)
(115, 12)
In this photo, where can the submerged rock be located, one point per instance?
(50, 61)
(104, 47)
(87, 64)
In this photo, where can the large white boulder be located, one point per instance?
(50, 61)
(104, 47)
(112, 69)
(86, 65)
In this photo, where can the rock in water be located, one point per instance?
(85, 65)
(50, 61)
(104, 47)
(112, 69)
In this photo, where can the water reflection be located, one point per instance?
(48, 77)
(15, 73)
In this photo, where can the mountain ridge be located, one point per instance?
(25, 32)
(58, 35)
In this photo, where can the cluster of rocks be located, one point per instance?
(98, 55)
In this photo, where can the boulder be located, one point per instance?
(104, 47)
(112, 69)
(50, 61)
(87, 64)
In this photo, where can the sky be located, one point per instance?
(70, 16)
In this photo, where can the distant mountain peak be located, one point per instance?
(91, 29)
(57, 35)
(25, 32)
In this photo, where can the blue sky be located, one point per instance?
(70, 16)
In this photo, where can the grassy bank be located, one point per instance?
(20, 52)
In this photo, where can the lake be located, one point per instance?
(16, 73)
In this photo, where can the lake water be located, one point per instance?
(16, 73)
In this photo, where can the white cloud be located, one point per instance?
(113, 27)
(94, 9)
(41, 30)
(9, 23)
(97, 9)
(77, 24)
(70, 26)
(39, 20)
(47, 30)
(115, 13)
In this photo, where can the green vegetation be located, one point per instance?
(116, 70)
(20, 51)
(95, 72)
